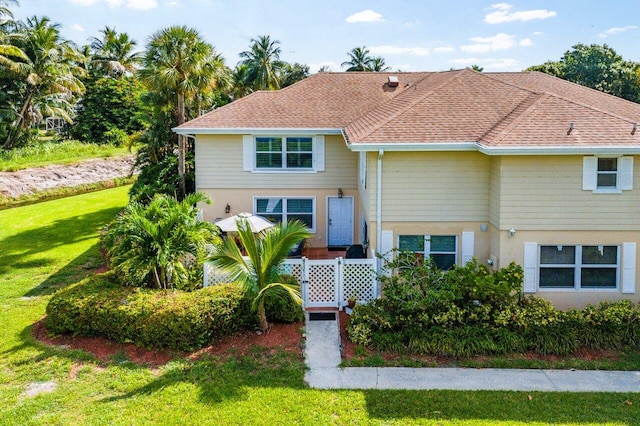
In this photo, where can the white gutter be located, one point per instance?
(256, 131)
(379, 208)
(491, 150)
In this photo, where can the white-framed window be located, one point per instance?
(607, 174)
(281, 153)
(282, 209)
(579, 267)
(443, 249)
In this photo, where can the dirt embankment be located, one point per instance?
(31, 181)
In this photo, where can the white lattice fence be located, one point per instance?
(358, 280)
(321, 283)
(214, 276)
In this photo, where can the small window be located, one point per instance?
(443, 249)
(280, 210)
(607, 173)
(579, 267)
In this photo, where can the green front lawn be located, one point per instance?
(48, 245)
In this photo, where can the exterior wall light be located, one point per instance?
(512, 232)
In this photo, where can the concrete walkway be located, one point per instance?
(322, 354)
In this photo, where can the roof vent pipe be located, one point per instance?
(570, 128)
(393, 81)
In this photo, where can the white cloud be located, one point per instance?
(443, 49)
(397, 50)
(616, 30)
(132, 4)
(503, 13)
(77, 27)
(500, 41)
(526, 42)
(537, 33)
(364, 16)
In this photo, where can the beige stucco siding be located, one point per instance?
(545, 193)
(431, 187)
(219, 164)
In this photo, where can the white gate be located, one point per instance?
(324, 283)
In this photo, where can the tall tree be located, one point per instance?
(598, 67)
(360, 59)
(378, 65)
(266, 251)
(113, 53)
(48, 77)
(263, 63)
(292, 73)
(178, 63)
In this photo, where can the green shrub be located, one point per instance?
(115, 137)
(283, 309)
(101, 306)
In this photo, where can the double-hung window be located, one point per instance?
(607, 174)
(284, 209)
(280, 153)
(443, 249)
(579, 267)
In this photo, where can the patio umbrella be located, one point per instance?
(257, 223)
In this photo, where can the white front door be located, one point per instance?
(340, 221)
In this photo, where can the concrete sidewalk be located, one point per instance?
(322, 355)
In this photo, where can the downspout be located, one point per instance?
(379, 210)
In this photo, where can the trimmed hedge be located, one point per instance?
(468, 311)
(100, 306)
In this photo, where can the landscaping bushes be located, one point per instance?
(469, 311)
(100, 306)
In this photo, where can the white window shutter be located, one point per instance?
(385, 248)
(467, 246)
(248, 153)
(319, 153)
(626, 173)
(629, 268)
(530, 267)
(427, 246)
(589, 173)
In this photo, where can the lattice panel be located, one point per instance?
(322, 283)
(357, 280)
(214, 276)
(294, 269)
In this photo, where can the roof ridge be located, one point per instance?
(533, 99)
(573, 101)
(398, 112)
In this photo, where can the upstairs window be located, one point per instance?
(284, 153)
(607, 174)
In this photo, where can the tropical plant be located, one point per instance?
(292, 73)
(47, 78)
(359, 60)
(378, 64)
(178, 64)
(259, 273)
(263, 63)
(113, 53)
(161, 244)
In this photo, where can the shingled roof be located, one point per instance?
(492, 110)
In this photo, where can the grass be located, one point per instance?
(50, 152)
(45, 246)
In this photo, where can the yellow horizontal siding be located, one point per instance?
(435, 187)
(545, 193)
(219, 165)
(494, 191)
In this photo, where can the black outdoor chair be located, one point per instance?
(296, 252)
(356, 251)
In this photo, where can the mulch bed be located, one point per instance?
(287, 337)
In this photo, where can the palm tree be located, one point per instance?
(180, 63)
(240, 85)
(48, 75)
(113, 52)
(263, 63)
(378, 65)
(259, 274)
(156, 245)
(359, 59)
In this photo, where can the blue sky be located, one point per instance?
(418, 35)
